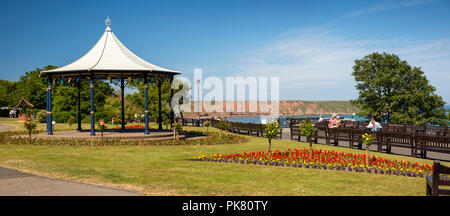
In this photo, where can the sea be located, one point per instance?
(284, 120)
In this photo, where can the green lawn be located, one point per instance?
(165, 170)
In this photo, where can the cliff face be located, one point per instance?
(316, 107)
(294, 107)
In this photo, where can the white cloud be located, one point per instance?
(316, 64)
(388, 5)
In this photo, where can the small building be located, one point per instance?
(23, 108)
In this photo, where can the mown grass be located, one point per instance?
(166, 170)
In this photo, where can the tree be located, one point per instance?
(113, 106)
(271, 131)
(5, 92)
(31, 86)
(448, 115)
(308, 130)
(102, 127)
(71, 121)
(138, 98)
(65, 97)
(367, 140)
(30, 126)
(390, 89)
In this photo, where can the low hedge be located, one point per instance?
(100, 115)
(209, 139)
(4, 112)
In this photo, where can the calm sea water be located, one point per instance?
(284, 120)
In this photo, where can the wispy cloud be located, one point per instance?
(317, 64)
(388, 5)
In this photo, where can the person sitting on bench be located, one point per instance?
(374, 126)
(332, 123)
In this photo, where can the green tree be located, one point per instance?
(448, 114)
(113, 106)
(5, 92)
(390, 89)
(31, 86)
(65, 97)
(307, 130)
(271, 131)
(138, 98)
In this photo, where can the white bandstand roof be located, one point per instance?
(109, 55)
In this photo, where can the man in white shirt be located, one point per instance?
(320, 118)
(374, 126)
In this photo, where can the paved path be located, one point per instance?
(6, 127)
(15, 183)
(128, 134)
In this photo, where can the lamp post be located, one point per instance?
(198, 98)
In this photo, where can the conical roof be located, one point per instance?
(109, 55)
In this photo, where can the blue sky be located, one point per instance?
(310, 45)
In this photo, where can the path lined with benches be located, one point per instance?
(411, 140)
(414, 140)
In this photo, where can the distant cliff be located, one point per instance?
(298, 107)
(291, 107)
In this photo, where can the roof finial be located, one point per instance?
(107, 22)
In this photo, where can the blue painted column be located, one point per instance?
(49, 108)
(146, 103)
(48, 102)
(172, 114)
(92, 105)
(159, 104)
(122, 93)
(79, 105)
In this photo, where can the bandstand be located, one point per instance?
(109, 60)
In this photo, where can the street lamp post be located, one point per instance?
(198, 102)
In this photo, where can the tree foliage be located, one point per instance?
(138, 98)
(390, 89)
(65, 97)
(32, 87)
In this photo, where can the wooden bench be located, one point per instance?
(251, 129)
(357, 138)
(295, 132)
(248, 128)
(340, 134)
(258, 129)
(186, 121)
(398, 128)
(394, 139)
(424, 143)
(433, 182)
(297, 121)
(437, 130)
(321, 131)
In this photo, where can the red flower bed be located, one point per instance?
(134, 127)
(320, 159)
